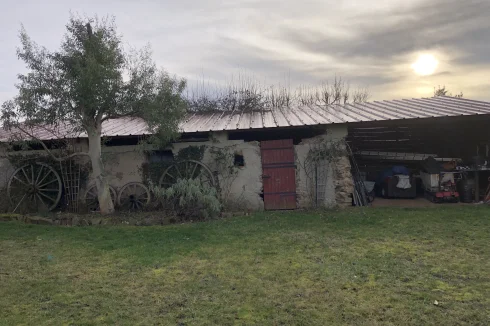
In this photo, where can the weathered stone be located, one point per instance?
(96, 221)
(106, 221)
(75, 220)
(11, 217)
(39, 220)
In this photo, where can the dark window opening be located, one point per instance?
(160, 156)
(239, 160)
(194, 137)
(297, 134)
(121, 141)
(35, 145)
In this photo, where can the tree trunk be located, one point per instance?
(103, 192)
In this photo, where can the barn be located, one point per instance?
(287, 158)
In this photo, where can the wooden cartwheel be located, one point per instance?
(35, 186)
(91, 199)
(188, 169)
(133, 196)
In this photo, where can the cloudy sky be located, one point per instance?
(398, 49)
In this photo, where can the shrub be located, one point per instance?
(189, 199)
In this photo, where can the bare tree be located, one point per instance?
(442, 91)
(249, 95)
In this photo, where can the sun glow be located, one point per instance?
(425, 65)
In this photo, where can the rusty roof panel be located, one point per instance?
(347, 113)
(207, 122)
(360, 114)
(332, 113)
(268, 119)
(311, 117)
(454, 106)
(192, 123)
(320, 114)
(244, 122)
(428, 112)
(293, 116)
(388, 113)
(282, 117)
(411, 111)
(229, 122)
(436, 109)
(462, 101)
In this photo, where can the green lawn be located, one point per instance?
(387, 267)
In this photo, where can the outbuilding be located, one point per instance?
(288, 158)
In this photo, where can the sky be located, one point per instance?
(397, 49)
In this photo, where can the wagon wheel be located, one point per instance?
(91, 199)
(35, 187)
(189, 169)
(133, 196)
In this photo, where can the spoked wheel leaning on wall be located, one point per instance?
(133, 196)
(188, 169)
(34, 187)
(91, 199)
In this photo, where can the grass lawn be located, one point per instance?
(387, 267)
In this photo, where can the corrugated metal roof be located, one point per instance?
(441, 106)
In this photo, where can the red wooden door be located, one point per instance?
(279, 174)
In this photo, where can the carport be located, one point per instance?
(407, 132)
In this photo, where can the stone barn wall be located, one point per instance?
(243, 190)
(123, 164)
(330, 184)
(6, 170)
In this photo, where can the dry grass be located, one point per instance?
(384, 268)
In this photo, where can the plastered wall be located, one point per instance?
(242, 190)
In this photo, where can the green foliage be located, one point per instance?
(88, 80)
(321, 157)
(222, 164)
(326, 151)
(195, 153)
(83, 83)
(152, 171)
(91, 79)
(189, 199)
(223, 158)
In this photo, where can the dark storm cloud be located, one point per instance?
(368, 43)
(455, 23)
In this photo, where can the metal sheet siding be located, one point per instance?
(285, 117)
(436, 109)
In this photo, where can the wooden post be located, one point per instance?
(477, 186)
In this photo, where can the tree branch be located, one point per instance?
(58, 159)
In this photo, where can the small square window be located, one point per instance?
(239, 160)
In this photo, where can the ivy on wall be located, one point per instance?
(195, 153)
(221, 164)
(320, 157)
(152, 171)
